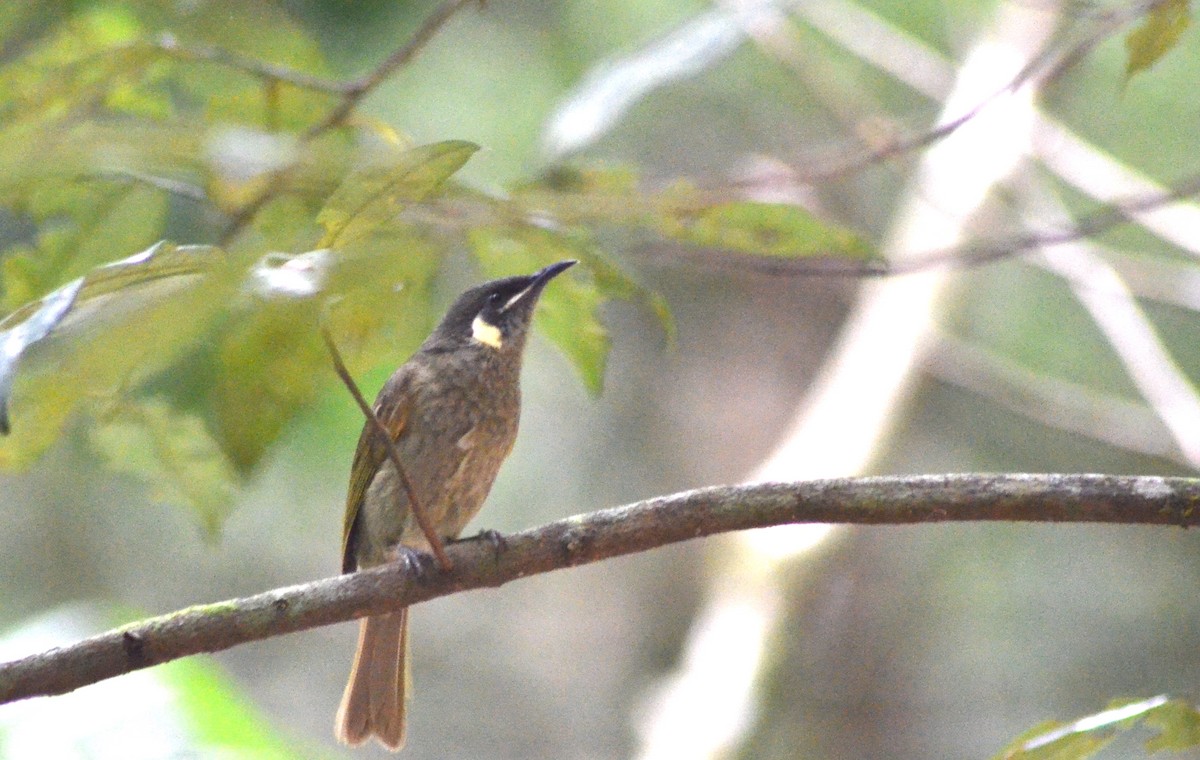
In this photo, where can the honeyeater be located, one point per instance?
(452, 410)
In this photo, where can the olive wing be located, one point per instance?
(392, 407)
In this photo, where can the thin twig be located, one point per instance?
(381, 434)
(579, 540)
(1131, 334)
(170, 45)
(857, 30)
(969, 254)
(358, 89)
(1051, 401)
(352, 94)
(174, 187)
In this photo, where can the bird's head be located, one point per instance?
(496, 315)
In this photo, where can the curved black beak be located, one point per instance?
(537, 281)
(543, 276)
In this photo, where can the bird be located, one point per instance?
(452, 410)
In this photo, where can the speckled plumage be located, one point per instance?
(452, 410)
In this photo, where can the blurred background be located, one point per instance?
(914, 642)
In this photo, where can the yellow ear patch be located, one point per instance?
(486, 333)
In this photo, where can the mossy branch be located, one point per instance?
(1126, 500)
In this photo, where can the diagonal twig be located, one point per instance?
(358, 89)
(1129, 332)
(1051, 401)
(381, 434)
(171, 46)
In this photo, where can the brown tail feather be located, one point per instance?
(373, 703)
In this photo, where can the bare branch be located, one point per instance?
(1050, 400)
(1129, 331)
(925, 70)
(579, 540)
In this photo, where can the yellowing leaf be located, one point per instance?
(1158, 33)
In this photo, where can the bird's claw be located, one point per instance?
(416, 562)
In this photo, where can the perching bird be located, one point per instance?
(452, 410)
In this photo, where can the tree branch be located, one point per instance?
(583, 539)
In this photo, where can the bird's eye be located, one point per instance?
(494, 299)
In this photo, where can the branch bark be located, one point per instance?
(579, 540)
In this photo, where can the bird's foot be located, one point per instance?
(416, 562)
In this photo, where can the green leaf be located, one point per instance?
(82, 227)
(270, 362)
(1178, 724)
(615, 284)
(174, 453)
(1068, 746)
(611, 195)
(765, 229)
(370, 197)
(1157, 35)
(221, 719)
(76, 65)
(29, 325)
(99, 334)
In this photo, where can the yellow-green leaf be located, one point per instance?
(1067, 746)
(372, 196)
(1157, 35)
(1178, 724)
(1084, 737)
(270, 361)
(99, 334)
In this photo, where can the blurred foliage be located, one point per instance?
(1176, 722)
(1157, 35)
(216, 124)
(219, 718)
(186, 708)
(123, 124)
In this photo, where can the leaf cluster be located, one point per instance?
(126, 125)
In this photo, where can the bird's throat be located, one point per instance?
(487, 333)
